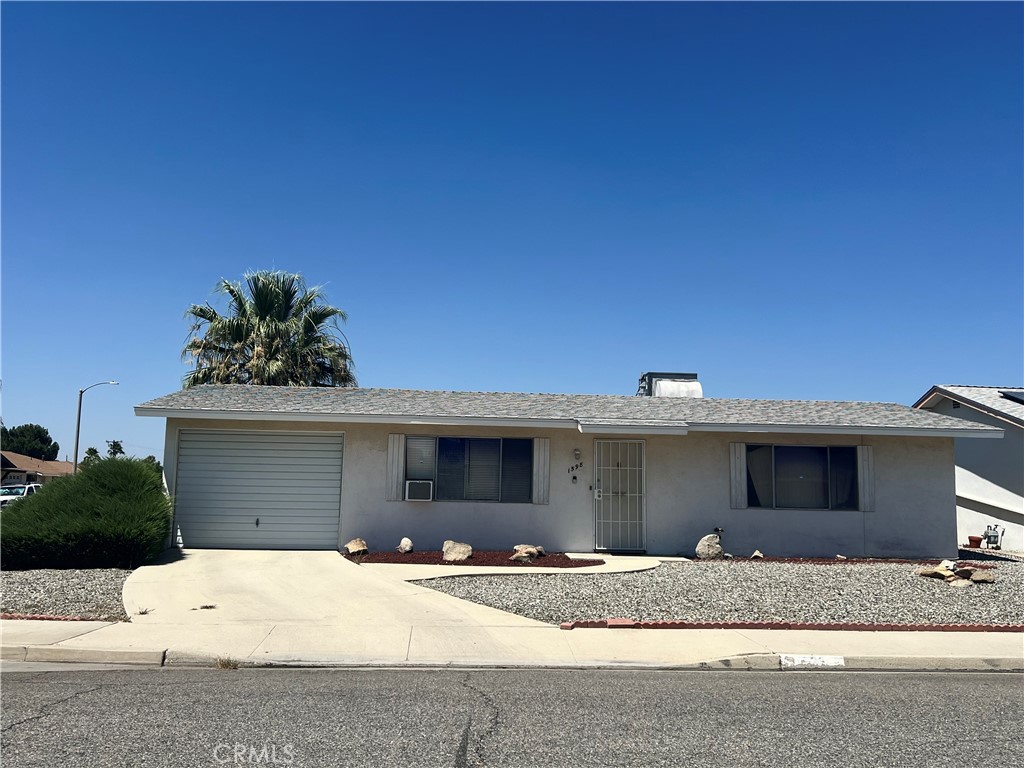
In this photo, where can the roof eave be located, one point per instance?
(817, 429)
(349, 418)
(581, 425)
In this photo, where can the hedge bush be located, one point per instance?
(114, 513)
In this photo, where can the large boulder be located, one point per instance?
(455, 551)
(710, 548)
(357, 547)
(404, 546)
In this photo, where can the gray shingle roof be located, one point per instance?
(618, 411)
(1007, 402)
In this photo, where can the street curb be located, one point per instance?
(787, 625)
(759, 662)
(53, 653)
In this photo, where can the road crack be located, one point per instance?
(478, 742)
(45, 709)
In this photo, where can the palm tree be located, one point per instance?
(278, 332)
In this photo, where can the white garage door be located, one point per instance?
(258, 490)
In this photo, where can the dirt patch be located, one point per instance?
(489, 559)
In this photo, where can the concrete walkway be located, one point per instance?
(319, 608)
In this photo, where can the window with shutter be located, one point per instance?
(473, 469)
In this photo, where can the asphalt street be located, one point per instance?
(318, 717)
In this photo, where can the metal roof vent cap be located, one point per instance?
(654, 384)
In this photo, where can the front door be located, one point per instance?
(619, 495)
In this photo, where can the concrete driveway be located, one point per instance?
(275, 605)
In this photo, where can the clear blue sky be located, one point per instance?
(792, 200)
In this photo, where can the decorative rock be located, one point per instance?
(357, 547)
(404, 546)
(983, 577)
(965, 573)
(454, 551)
(538, 551)
(841, 557)
(958, 582)
(710, 547)
(757, 555)
(525, 552)
(935, 573)
(949, 565)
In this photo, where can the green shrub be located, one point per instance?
(114, 513)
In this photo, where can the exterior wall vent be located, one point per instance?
(669, 385)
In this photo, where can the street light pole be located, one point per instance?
(78, 420)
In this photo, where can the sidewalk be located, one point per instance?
(321, 609)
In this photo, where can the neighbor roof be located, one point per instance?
(587, 413)
(1005, 403)
(25, 463)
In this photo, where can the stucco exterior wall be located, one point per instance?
(989, 478)
(687, 487)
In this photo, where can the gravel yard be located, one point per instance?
(750, 591)
(93, 593)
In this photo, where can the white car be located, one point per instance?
(11, 493)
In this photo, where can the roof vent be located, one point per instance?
(669, 385)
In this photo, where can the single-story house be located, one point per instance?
(989, 474)
(311, 468)
(17, 468)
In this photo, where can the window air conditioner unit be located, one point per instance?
(419, 490)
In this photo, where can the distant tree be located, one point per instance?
(114, 449)
(152, 460)
(277, 332)
(29, 440)
(91, 455)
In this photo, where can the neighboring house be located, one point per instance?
(18, 468)
(311, 468)
(989, 474)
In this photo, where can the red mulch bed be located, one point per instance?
(490, 559)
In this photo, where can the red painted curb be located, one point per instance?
(44, 617)
(818, 626)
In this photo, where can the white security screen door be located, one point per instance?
(619, 495)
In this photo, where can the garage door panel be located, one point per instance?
(268, 460)
(297, 500)
(291, 483)
(275, 474)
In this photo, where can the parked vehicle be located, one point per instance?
(11, 493)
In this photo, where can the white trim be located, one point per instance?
(567, 423)
(794, 429)
(599, 428)
(351, 418)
